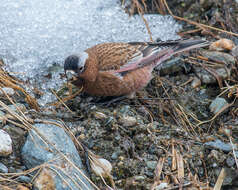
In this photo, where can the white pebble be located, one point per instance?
(8, 91)
(5, 143)
(127, 121)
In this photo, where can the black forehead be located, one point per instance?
(71, 62)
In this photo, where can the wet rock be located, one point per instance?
(208, 78)
(222, 44)
(219, 57)
(171, 66)
(5, 143)
(151, 164)
(127, 121)
(3, 168)
(36, 151)
(7, 90)
(24, 179)
(217, 105)
(218, 144)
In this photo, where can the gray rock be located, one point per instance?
(56, 142)
(218, 144)
(24, 179)
(230, 161)
(208, 78)
(7, 90)
(151, 164)
(217, 105)
(171, 66)
(115, 154)
(20, 106)
(219, 57)
(127, 121)
(3, 168)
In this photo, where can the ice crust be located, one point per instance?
(37, 34)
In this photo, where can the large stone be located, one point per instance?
(50, 144)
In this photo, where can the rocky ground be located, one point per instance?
(179, 133)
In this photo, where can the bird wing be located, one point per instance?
(114, 56)
(121, 57)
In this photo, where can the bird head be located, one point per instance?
(76, 62)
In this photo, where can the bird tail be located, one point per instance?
(174, 47)
(186, 45)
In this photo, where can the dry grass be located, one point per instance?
(8, 81)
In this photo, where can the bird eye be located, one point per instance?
(80, 69)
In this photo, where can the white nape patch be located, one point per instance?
(83, 58)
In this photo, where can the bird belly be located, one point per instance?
(107, 84)
(139, 78)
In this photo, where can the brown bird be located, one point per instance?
(117, 69)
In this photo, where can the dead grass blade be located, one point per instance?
(158, 171)
(8, 81)
(220, 179)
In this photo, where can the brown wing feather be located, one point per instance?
(112, 56)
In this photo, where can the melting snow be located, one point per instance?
(36, 35)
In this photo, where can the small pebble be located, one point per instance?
(139, 178)
(217, 105)
(8, 91)
(196, 82)
(21, 107)
(3, 168)
(151, 164)
(99, 115)
(5, 143)
(161, 186)
(115, 155)
(24, 179)
(230, 161)
(127, 121)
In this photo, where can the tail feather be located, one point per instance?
(176, 47)
(189, 44)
